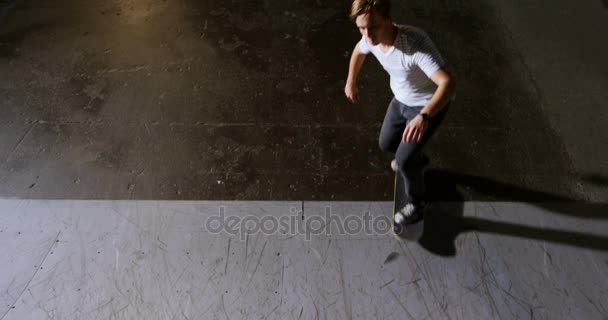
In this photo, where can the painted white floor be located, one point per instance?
(159, 260)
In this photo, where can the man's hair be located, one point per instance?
(359, 7)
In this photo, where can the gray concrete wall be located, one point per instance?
(562, 44)
(243, 100)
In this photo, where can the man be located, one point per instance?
(421, 86)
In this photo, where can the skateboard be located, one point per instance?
(404, 231)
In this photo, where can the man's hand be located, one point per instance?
(414, 130)
(352, 92)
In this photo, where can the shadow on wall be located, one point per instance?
(444, 222)
(596, 179)
(6, 6)
(497, 126)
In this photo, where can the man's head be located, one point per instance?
(373, 18)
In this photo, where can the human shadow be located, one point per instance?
(445, 220)
(443, 186)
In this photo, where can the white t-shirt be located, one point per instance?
(410, 62)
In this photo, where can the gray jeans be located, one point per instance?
(408, 155)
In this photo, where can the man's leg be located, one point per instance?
(392, 127)
(409, 157)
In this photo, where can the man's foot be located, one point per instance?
(424, 161)
(410, 214)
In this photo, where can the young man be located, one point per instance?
(421, 86)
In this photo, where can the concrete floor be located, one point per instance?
(160, 260)
(244, 100)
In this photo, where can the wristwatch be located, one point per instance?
(425, 116)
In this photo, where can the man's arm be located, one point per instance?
(445, 89)
(356, 61)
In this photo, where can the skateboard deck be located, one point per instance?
(405, 231)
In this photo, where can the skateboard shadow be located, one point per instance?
(445, 221)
